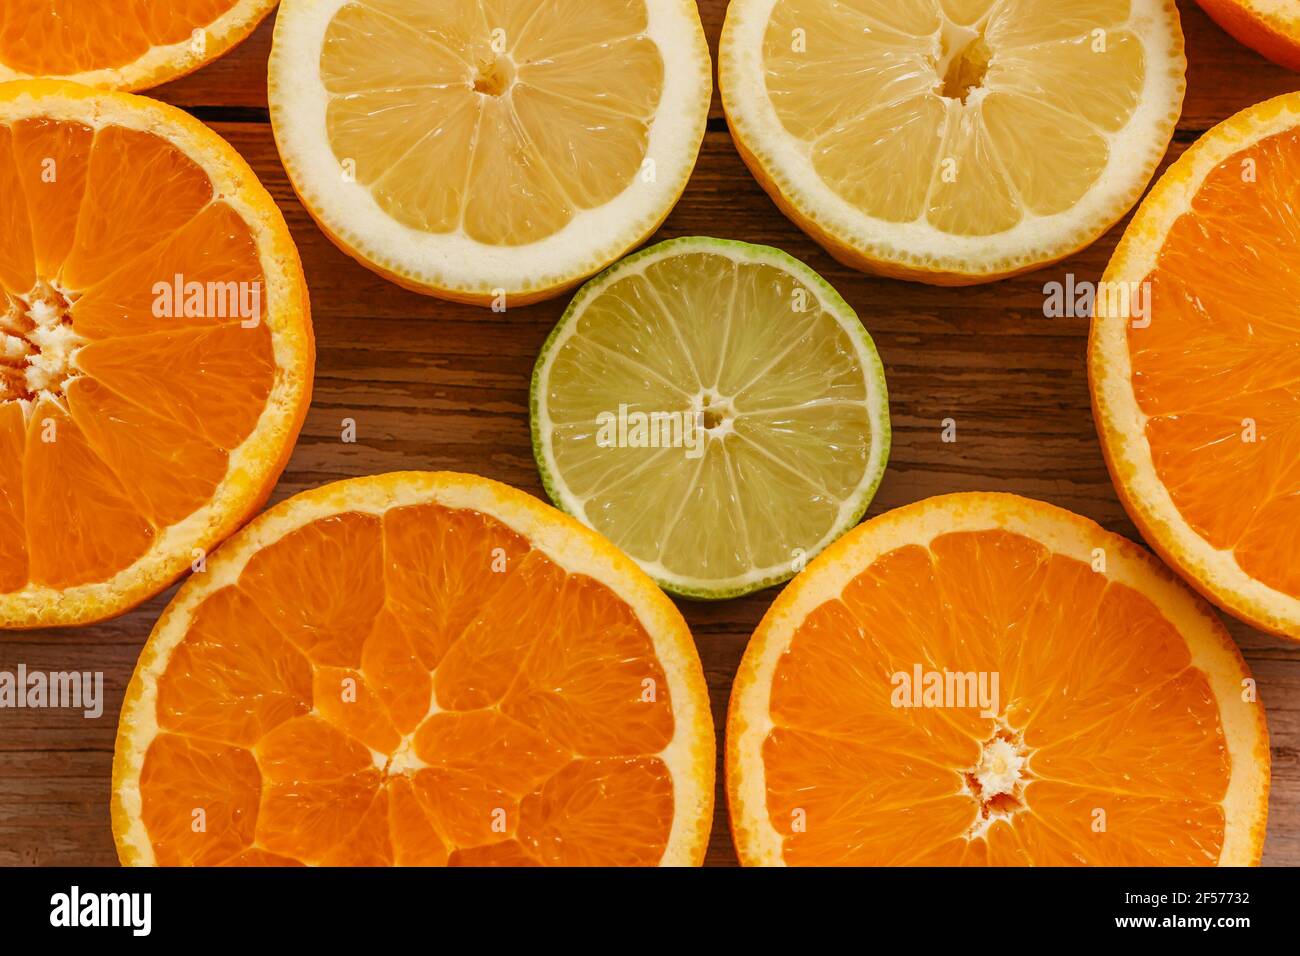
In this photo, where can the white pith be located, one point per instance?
(1123, 423)
(454, 261)
(1278, 11)
(1212, 651)
(689, 756)
(1134, 152)
(876, 402)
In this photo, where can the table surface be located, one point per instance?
(432, 385)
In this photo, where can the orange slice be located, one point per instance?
(127, 45)
(1269, 27)
(155, 349)
(416, 669)
(1196, 379)
(985, 680)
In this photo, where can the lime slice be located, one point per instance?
(715, 409)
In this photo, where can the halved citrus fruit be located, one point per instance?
(985, 680)
(155, 348)
(416, 669)
(126, 46)
(495, 152)
(1195, 371)
(1269, 27)
(715, 409)
(952, 141)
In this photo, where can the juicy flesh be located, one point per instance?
(416, 688)
(1003, 109)
(115, 423)
(65, 37)
(774, 397)
(1106, 746)
(500, 119)
(1217, 370)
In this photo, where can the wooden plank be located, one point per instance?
(436, 385)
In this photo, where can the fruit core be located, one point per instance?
(998, 781)
(37, 343)
(716, 412)
(495, 77)
(964, 61)
(403, 760)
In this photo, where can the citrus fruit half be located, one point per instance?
(715, 409)
(982, 679)
(416, 669)
(1195, 371)
(952, 141)
(123, 45)
(155, 348)
(496, 152)
(1269, 27)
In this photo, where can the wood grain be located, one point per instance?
(433, 385)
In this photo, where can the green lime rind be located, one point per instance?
(831, 300)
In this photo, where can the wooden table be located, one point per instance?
(438, 386)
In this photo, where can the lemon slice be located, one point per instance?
(494, 152)
(952, 141)
(715, 409)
